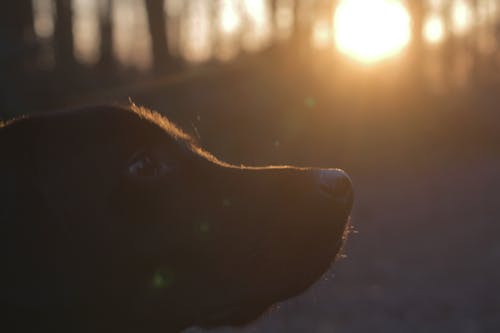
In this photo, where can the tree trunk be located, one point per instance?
(297, 22)
(106, 61)
(16, 20)
(17, 51)
(417, 12)
(16, 31)
(449, 47)
(274, 9)
(157, 30)
(473, 43)
(302, 26)
(63, 35)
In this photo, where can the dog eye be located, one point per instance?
(145, 165)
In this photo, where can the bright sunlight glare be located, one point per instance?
(434, 29)
(370, 31)
(230, 20)
(461, 17)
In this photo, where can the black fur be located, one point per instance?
(113, 220)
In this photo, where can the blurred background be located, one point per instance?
(403, 95)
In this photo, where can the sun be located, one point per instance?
(372, 30)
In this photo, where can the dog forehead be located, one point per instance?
(102, 134)
(101, 121)
(104, 125)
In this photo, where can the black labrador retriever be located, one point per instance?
(113, 220)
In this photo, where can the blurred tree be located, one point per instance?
(474, 39)
(297, 22)
(329, 6)
(449, 45)
(274, 9)
(106, 61)
(303, 14)
(417, 12)
(16, 21)
(63, 35)
(158, 31)
(16, 32)
(17, 46)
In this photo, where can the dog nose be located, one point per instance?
(334, 183)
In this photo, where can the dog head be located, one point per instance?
(114, 218)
